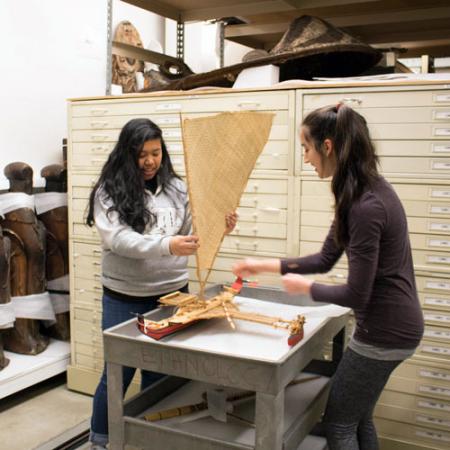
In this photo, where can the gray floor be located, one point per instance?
(44, 416)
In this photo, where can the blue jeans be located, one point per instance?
(114, 312)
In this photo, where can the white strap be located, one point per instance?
(35, 306)
(7, 316)
(10, 201)
(59, 284)
(60, 302)
(45, 201)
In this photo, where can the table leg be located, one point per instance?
(115, 406)
(269, 417)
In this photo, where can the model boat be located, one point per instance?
(191, 308)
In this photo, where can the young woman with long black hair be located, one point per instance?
(140, 208)
(370, 227)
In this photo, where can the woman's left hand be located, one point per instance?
(296, 284)
(230, 221)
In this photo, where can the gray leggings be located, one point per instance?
(355, 389)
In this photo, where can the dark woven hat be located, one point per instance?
(311, 47)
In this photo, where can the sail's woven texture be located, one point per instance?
(220, 153)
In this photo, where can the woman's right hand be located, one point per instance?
(183, 245)
(250, 266)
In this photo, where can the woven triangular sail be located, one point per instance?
(220, 152)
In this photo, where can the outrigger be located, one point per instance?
(191, 309)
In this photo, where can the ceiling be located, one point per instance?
(416, 27)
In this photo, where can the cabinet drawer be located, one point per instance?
(258, 101)
(432, 285)
(434, 261)
(413, 417)
(435, 301)
(268, 230)
(412, 148)
(92, 284)
(360, 100)
(87, 332)
(88, 361)
(428, 226)
(83, 231)
(415, 387)
(422, 404)
(262, 215)
(438, 114)
(430, 350)
(277, 132)
(441, 334)
(87, 299)
(87, 267)
(86, 314)
(237, 244)
(436, 439)
(81, 249)
(424, 373)
(420, 166)
(437, 318)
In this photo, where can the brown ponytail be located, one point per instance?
(356, 161)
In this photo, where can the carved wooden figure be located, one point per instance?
(27, 264)
(57, 260)
(5, 292)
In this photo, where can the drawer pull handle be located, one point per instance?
(434, 390)
(433, 420)
(433, 435)
(437, 334)
(169, 107)
(433, 405)
(434, 374)
(168, 121)
(439, 226)
(442, 131)
(351, 100)
(270, 209)
(438, 243)
(442, 115)
(437, 302)
(99, 149)
(438, 259)
(440, 209)
(99, 124)
(99, 137)
(98, 111)
(436, 350)
(442, 98)
(440, 194)
(249, 105)
(440, 148)
(437, 318)
(440, 166)
(96, 263)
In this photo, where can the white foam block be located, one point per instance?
(260, 76)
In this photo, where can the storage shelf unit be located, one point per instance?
(286, 209)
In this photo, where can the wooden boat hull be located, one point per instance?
(162, 332)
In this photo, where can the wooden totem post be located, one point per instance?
(51, 208)
(6, 314)
(27, 263)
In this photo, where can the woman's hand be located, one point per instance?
(183, 245)
(296, 284)
(250, 266)
(230, 221)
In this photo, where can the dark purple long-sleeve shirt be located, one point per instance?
(380, 286)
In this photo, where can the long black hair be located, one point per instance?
(121, 179)
(356, 160)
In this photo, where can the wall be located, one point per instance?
(52, 50)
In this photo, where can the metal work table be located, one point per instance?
(209, 361)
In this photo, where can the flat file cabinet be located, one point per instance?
(286, 211)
